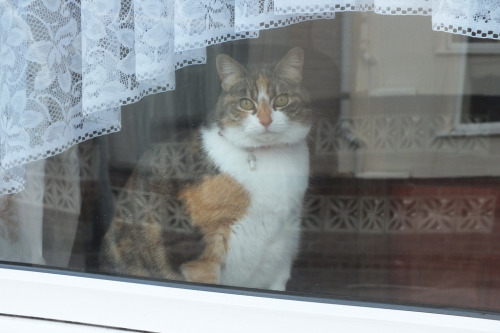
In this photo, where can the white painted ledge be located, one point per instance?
(136, 306)
(24, 325)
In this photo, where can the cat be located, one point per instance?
(243, 202)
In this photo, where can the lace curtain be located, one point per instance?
(66, 66)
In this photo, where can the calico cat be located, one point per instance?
(243, 201)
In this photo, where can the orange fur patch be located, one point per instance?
(264, 113)
(262, 85)
(264, 109)
(214, 206)
(206, 269)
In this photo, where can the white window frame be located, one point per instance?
(451, 47)
(99, 303)
(461, 129)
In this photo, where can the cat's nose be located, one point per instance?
(264, 115)
(266, 121)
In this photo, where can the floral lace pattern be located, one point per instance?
(66, 67)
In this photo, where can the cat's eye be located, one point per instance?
(246, 104)
(281, 100)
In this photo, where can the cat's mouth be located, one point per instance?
(262, 140)
(271, 141)
(267, 137)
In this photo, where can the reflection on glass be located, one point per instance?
(375, 184)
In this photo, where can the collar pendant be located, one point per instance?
(252, 160)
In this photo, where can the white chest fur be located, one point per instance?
(265, 241)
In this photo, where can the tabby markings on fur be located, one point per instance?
(243, 202)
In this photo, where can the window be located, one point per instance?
(395, 210)
(477, 113)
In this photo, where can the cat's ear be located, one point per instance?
(230, 71)
(290, 67)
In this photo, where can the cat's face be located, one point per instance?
(263, 107)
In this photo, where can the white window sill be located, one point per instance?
(472, 130)
(152, 308)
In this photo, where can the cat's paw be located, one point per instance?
(201, 271)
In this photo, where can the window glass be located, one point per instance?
(333, 161)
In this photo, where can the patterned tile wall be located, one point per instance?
(56, 184)
(142, 206)
(443, 214)
(401, 133)
(349, 214)
(438, 214)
